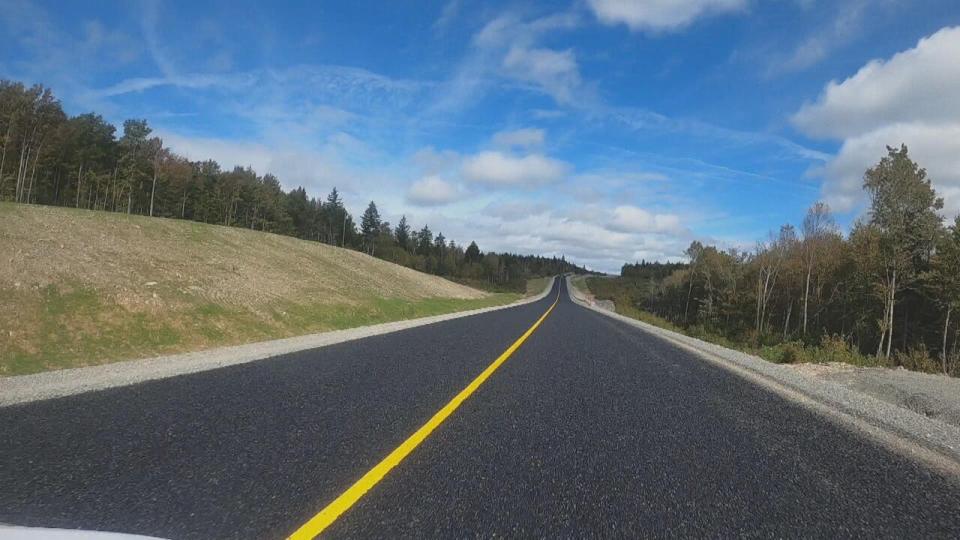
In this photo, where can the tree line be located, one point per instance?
(54, 159)
(889, 289)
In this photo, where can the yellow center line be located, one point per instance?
(348, 498)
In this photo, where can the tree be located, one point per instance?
(156, 148)
(818, 224)
(424, 241)
(402, 233)
(132, 158)
(903, 207)
(440, 249)
(336, 218)
(370, 227)
(770, 259)
(944, 281)
(693, 252)
(472, 254)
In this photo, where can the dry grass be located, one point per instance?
(80, 287)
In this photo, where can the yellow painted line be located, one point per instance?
(341, 504)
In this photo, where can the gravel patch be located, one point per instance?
(934, 396)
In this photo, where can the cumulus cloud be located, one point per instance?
(934, 147)
(920, 84)
(632, 219)
(432, 191)
(524, 138)
(504, 170)
(909, 99)
(659, 15)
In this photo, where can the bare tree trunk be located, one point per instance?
(946, 330)
(18, 188)
(759, 300)
(3, 159)
(686, 309)
(786, 323)
(153, 189)
(33, 175)
(79, 181)
(893, 301)
(883, 325)
(806, 299)
(156, 170)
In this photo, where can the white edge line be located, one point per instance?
(66, 382)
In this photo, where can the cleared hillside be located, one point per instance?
(80, 287)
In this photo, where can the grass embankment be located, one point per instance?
(536, 286)
(625, 294)
(81, 288)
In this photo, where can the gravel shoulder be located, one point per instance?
(933, 396)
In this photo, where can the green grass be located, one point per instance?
(75, 327)
(536, 286)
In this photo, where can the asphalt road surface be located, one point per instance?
(592, 428)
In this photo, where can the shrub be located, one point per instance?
(835, 348)
(918, 359)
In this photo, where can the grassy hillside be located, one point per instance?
(80, 287)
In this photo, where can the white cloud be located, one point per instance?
(514, 211)
(659, 14)
(920, 84)
(842, 26)
(509, 47)
(524, 138)
(637, 220)
(934, 147)
(432, 191)
(554, 71)
(449, 13)
(504, 170)
(909, 99)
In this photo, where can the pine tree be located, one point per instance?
(403, 233)
(370, 227)
(472, 254)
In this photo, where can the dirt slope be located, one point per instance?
(79, 287)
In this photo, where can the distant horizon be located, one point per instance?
(601, 131)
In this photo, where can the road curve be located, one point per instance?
(592, 427)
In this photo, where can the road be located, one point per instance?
(592, 427)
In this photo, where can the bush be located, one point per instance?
(835, 348)
(918, 359)
(790, 352)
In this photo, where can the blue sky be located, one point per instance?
(605, 130)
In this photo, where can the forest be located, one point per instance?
(51, 158)
(887, 293)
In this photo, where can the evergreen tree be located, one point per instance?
(370, 227)
(403, 233)
(472, 254)
(424, 241)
